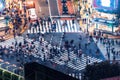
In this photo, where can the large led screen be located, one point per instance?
(106, 5)
(2, 5)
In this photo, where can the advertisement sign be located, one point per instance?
(106, 5)
(105, 21)
(29, 4)
(2, 5)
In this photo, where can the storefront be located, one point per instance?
(105, 21)
(104, 15)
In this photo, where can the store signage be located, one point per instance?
(110, 22)
(104, 21)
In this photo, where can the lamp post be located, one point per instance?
(78, 11)
(87, 16)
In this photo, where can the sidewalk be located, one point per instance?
(10, 41)
(104, 51)
(10, 35)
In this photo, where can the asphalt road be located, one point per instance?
(42, 8)
(53, 8)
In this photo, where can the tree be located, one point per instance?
(101, 70)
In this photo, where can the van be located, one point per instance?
(32, 14)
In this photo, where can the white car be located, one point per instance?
(32, 14)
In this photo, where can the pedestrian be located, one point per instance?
(29, 18)
(79, 45)
(80, 53)
(16, 43)
(86, 45)
(14, 34)
(97, 52)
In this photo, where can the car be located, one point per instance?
(32, 14)
(63, 1)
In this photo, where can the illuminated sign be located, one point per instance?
(106, 5)
(2, 5)
(29, 4)
(104, 21)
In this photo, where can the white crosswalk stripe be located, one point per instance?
(62, 29)
(76, 64)
(40, 27)
(68, 25)
(72, 30)
(58, 25)
(44, 30)
(75, 28)
(61, 26)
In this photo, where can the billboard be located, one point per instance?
(2, 5)
(108, 6)
(106, 22)
(30, 4)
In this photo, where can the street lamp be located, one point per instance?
(87, 16)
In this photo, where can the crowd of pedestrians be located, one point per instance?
(110, 47)
(32, 50)
(41, 25)
(110, 44)
(28, 51)
(14, 20)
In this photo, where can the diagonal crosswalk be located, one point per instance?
(75, 62)
(60, 26)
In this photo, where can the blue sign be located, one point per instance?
(106, 22)
(2, 5)
(106, 5)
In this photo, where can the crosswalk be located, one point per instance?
(75, 62)
(58, 26)
(81, 64)
(75, 75)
